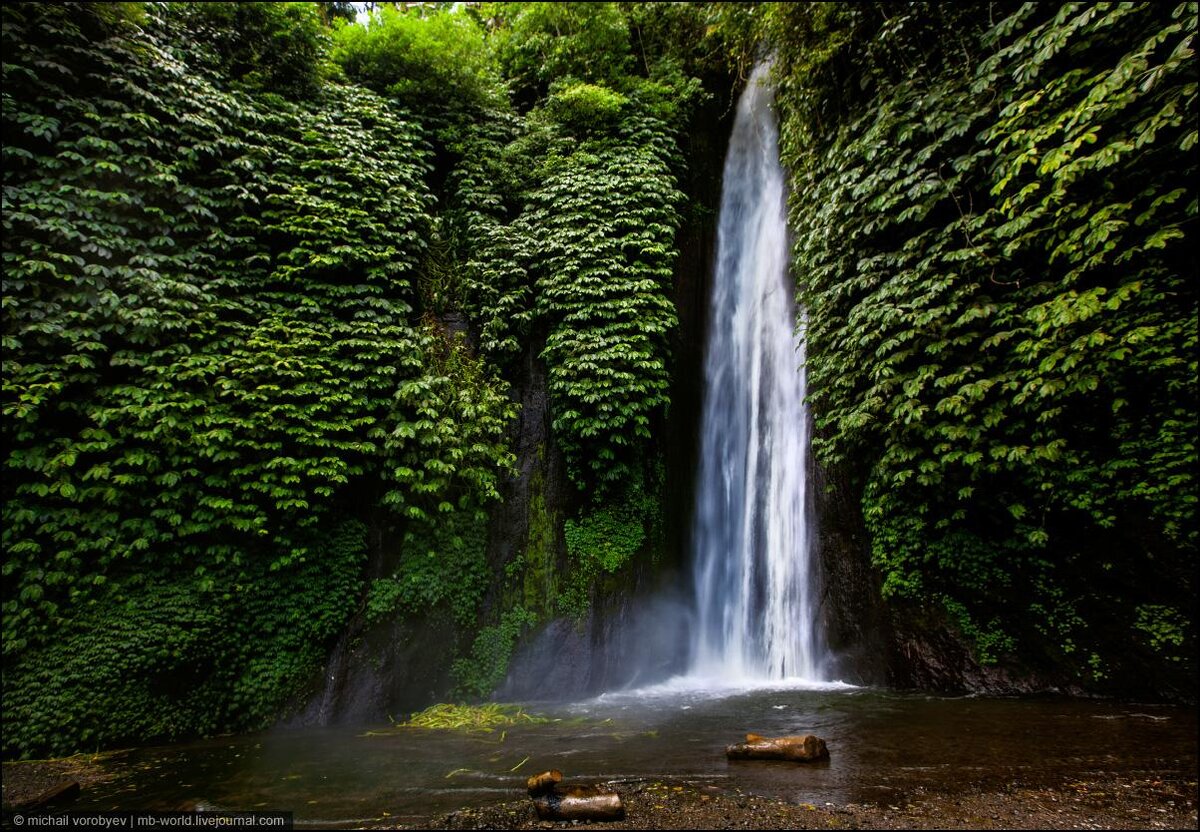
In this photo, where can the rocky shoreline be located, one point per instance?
(25, 780)
(1150, 800)
(1144, 799)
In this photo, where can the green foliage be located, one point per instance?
(583, 108)
(605, 218)
(483, 671)
(990, 640)
(735, 31)
(678, 37)
(567, 219)
(164, 661)
(564, 222)
(225, 283)
(443, 561)
(420, 60)
(273, 47)
(485, 190)
(210, 352)
(990, 241)
(1165, 628)
(335, 10)
(538, 43)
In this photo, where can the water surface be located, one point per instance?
(884, 746)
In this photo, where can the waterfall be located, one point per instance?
(751, 535)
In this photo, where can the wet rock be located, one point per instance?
(796, 749)
(582, 803)
(543, 783)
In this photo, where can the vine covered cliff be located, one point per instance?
(371, 349)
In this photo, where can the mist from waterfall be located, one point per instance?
(752, 536)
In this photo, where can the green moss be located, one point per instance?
(539, 572)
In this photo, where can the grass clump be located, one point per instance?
(482, 718)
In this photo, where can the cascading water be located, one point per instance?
(751, 537)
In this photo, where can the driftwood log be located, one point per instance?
(555, 802)
(799, 749)
(587, 803)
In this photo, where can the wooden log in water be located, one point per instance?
(544, 782)
(797, 749)
(583, 803)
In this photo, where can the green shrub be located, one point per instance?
(420, 60)
(273, 47)
(583, 108)
(540, 43)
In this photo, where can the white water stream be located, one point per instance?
(752, 537)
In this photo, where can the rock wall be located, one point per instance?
(893, 643)
(852, 616)
(382, 670)
(704, 149)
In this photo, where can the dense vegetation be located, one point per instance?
(232, 234)
(991, 225)
(213, 353)
(238, 238)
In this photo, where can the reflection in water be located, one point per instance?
(882, 744)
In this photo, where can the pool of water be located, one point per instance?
(884, 746)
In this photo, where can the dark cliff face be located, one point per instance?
(851, 614)
(904, 645)
(704, 148)
(527, 522)
(900, 644)
(376, 671)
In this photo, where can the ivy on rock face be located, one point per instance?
(229, 285)
(162, 660)
(211, 352)
(990, 244)
(567, 219)
(606, 219)
(605, 538)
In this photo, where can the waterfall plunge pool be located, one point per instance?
(885, 746)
